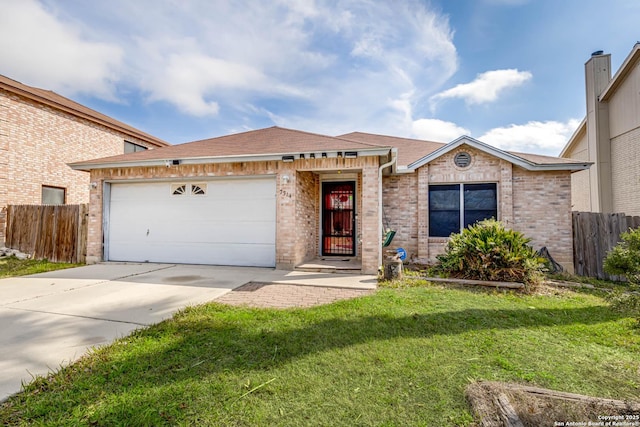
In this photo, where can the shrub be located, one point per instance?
(626, 302)
(489, 251)
(624, 259)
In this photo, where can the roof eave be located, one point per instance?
(574, 137)
(622, 73)
(512, 158)
(88, 166)
(34, 97)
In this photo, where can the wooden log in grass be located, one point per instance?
(489, 283)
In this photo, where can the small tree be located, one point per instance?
(624, 259)
(489, 251)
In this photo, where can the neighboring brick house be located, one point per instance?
(609, 137)
(278, 198)
(40, 133)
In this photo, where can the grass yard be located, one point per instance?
(397, 357)
(12, 266)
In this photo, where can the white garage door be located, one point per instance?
(220, 222)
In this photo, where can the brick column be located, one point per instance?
(506, 193)
(423, 213)
(286, 227)
(94, 226)
(370, 219)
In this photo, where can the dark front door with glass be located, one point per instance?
(338, 218)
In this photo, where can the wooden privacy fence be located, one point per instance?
(57, 233)
(594, 235)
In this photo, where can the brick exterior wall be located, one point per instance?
(535, 203)
(542, 211)
(400, 207)
(297, 202)
(625, 161)
(37, 142)
(307, 208)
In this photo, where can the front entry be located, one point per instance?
(338, 218)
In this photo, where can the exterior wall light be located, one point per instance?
(285, 179)
(287, 159)
(350, 154)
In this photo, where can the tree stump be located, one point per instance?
(392, 269)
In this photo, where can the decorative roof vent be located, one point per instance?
(462, 159)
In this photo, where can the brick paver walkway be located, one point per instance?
(285, 296)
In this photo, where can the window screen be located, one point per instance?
(449, 213)
(130, 147)
(444, 210)
(53, 195)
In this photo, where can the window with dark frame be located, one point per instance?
(453, 207)
(130, 147)
(53, 195)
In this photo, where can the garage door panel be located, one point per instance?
(233, 224)
(230, 232)
(202, 253)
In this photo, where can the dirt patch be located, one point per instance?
(497, 404)
(273, 295)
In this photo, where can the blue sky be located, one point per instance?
(507, 72)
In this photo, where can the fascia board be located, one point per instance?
(519, 161)
(218, 159)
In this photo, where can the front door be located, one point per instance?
(338, 218)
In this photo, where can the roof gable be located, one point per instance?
(625, 69)
(532, 162)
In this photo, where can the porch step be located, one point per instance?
(328, 265)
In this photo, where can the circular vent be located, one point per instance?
(462, 160)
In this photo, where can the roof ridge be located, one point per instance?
(391, 136)
(48, 96)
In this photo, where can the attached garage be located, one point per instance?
(224, 221)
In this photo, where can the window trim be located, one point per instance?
(461, 207)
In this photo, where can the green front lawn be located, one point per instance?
(12, 266)
(398, 357)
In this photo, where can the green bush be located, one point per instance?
(489, 251)
(626, 302)
(624, 259)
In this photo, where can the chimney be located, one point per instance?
(597, 77)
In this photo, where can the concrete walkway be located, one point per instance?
(51, 319)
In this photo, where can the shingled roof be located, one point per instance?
(267, 143)
(61, 103)
(275, 142)
(409, 150)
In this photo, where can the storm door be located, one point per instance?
(338, 218)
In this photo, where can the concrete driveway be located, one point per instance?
(51, 319)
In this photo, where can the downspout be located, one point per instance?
(394, 158)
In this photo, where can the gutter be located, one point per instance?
(168, 161)
(394, 158)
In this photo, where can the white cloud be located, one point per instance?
(533, 137)
(437, 130)
(486, 87)
(190, 81)
(39, 49)
(340, 63)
